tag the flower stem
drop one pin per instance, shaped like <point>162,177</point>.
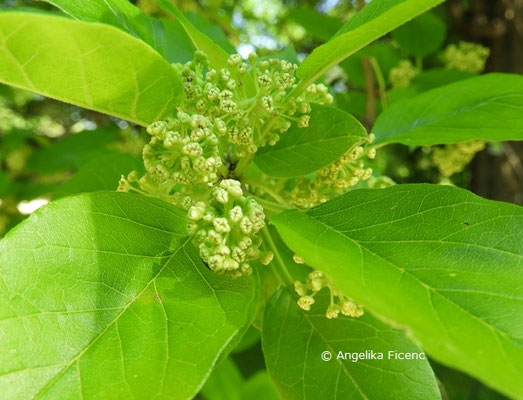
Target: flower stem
<point>269,191</point>
<point>278,264</point>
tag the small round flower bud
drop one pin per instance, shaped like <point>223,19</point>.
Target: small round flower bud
<point>297,259</point>
<point>267,257</point>
<point>221,225</point>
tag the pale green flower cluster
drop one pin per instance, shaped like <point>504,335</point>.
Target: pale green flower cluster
<point>225,228</point>
<point>182,154</point>
<point>226,116</point>
<point>336,178</point>
<point>466,56</point>
<point>247,118</point>
<point>402,75</point>
<point>183,150</point>
<point>339,303</point>
<point>452,158</point>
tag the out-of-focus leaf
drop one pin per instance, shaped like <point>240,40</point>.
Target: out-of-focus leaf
<point>376,19</point>
<point>73,151</point>
<point>386,56</point>
<point>421,36</point>
<point>101,173</point>
<point>225,382</point>
<point>259,387</point>
<point>317,25</point>
<point>211,30</point>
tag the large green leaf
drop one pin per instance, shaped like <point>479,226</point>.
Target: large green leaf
<point>102,297</point>
<point>486,107</point>
<point>91,65</point>
<point>167,37</point>
<point>300,151</point>
<point>376,19</point>
<point>438,260</point>
<point>294,342</point>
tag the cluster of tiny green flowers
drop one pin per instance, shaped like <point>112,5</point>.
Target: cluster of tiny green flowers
<point>452,158</point>
<point>183,149</point>
<point>339,303</point>
<point>402,75</point>
<point>247,121</point>
<point>183,152</point>
<point>225,229</point>
<point>335,178</point>
<point>466,56</point>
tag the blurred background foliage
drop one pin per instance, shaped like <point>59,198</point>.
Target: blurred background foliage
<point>50,149</point>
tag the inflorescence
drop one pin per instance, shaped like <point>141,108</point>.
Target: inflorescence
<point>225,229</point>
<point>339,303</point>
<point>192,158</point>
<point>336,178</point>
<point>466,56</point>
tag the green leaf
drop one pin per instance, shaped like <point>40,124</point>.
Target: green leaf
<point>102,296</point>
<point>259,387</point>
<point>488,107</point>
<point>376,19</point>
<point>437,260</point>
<point>211,30</point>
<point>300,151</point>
<point>386,56</point>
<point>295,340</point>
<point>225,382</point>
<point>94,66</point>
<point>457,385</point>
<point>167,37</point>
<point>217,55</point>
<point>101,173</point>
<point>317,25</point>
<point>288,53</point>
<point>249,339</point>
<point>421,36</point>
<point>435,78</point>
<point>72,152</point>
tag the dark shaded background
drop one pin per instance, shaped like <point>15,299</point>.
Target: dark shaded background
<point>497,24</point>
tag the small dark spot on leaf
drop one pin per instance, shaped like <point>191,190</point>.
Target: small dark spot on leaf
<point>466,223</point>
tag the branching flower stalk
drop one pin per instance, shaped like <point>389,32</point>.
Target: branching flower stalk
<point>339,303</point>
